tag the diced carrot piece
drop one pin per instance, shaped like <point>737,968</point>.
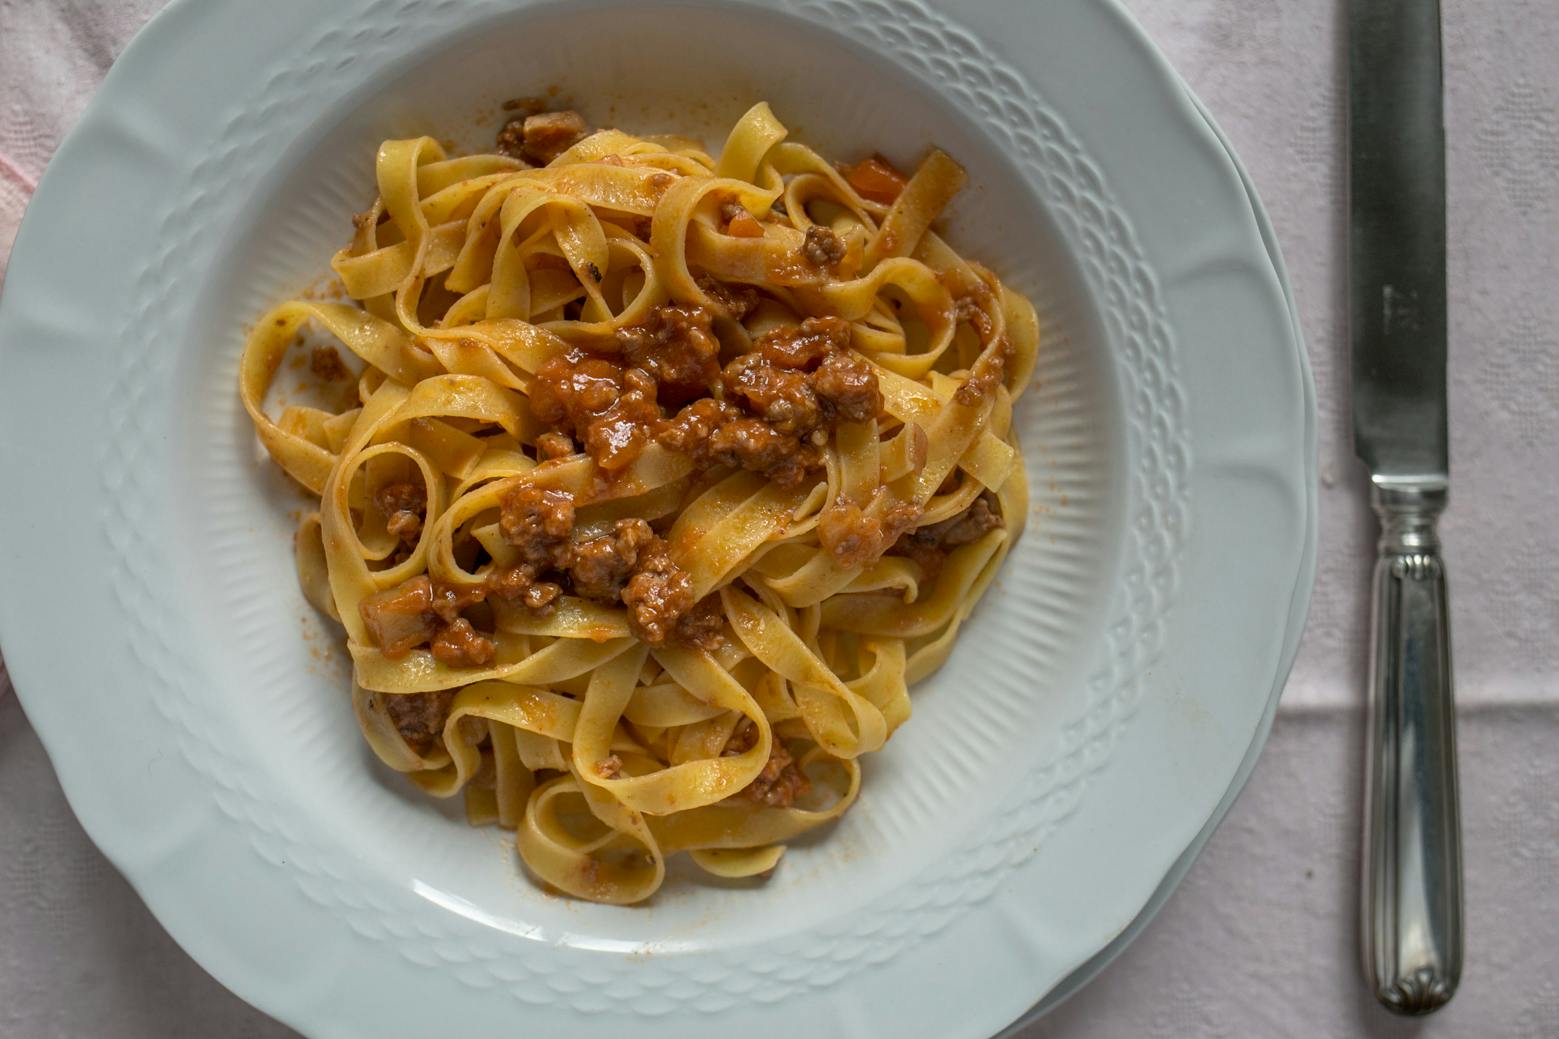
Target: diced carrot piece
<point>874,179</point>
<point>744,225</point>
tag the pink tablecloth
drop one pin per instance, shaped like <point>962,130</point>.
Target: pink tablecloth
<point>1259,941</point>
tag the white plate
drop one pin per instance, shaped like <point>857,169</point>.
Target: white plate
<point>1085,732</point>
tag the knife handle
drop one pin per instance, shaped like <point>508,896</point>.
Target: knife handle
<point>1412,899</point>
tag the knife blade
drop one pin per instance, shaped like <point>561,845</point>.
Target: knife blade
<point>1396,237</point>
<point>1411,921</point>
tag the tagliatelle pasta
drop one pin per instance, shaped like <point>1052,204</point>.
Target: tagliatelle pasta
<point>666,476</point>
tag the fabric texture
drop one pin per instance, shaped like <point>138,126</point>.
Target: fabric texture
<point>1260,940</point>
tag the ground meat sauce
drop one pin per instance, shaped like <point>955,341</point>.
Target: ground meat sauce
<point>617,437</point>
<point>716,432</point>
<point>602,565</point>
<point>854,537</point>
<point>677,347</point>
<point>972,309</point>
<point>631,564</point>
<point>767,411</point>
<point>821,248</point>
<point>405,526</point>
<point>449,600</point>
<point>326,364</point>
<point>778,402</point>
<point>736,300</point>
<point>971,525</point>
<point>402,505</point>
<point>928,556</point>
<point>781,397</point>
<point>519,584</point>
<point>754,445</point>
<point>460,645</point>
<point>742,739</point>
<point>419,717</point>
<point>804,345</point>
<point>982,382</point>
<point>781,783</point>
<point>847,389</point>
<point>703,625</point>
<point>657,595</point>
<point>511,139</point>
<point>690,431</point>
<point>929,545</point>
<point>596,401</point>
<point>551,446</point>
<point>851,537</point>
<point>539,522</point>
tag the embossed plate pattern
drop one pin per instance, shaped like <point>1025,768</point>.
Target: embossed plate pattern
<point>1086,728</point>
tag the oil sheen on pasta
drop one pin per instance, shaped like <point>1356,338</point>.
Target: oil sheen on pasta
<point>663,478</point>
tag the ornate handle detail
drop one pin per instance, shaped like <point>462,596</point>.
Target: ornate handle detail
<point>1412,904</point>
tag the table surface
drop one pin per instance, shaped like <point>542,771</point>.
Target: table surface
<point>1260,939</point>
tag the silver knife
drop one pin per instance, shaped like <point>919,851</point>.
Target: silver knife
<point>1412,897</point>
